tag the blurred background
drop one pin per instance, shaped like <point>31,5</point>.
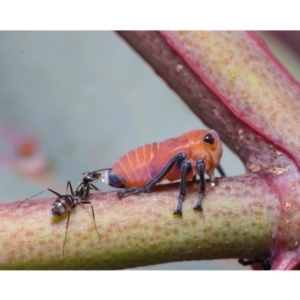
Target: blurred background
<point>72,102</point>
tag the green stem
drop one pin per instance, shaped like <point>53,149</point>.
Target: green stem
<point>142,230</point>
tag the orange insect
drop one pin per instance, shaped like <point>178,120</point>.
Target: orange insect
<point>195,152</point>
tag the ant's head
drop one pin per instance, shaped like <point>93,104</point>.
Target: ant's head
<point>92,176</point>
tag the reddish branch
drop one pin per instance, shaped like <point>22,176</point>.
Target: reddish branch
<point>142,230</point>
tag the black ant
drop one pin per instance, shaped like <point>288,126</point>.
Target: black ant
<point>65,203</point>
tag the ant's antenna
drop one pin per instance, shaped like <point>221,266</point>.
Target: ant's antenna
<point>30,197</point>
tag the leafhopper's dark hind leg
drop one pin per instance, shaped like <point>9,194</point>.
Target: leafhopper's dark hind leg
<point>186,166</point>
<point>178,158</point>
<point>200,165</point>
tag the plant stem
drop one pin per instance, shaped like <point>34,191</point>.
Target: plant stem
<point>142,230</point>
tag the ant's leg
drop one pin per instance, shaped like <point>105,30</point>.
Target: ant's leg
<point>69,214</point>
<point>93,213</point>
<point>147,188</point>
<point>95,188</point>
<point>69,185</point>
<point>185,168</point>
<point>200,165</point>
